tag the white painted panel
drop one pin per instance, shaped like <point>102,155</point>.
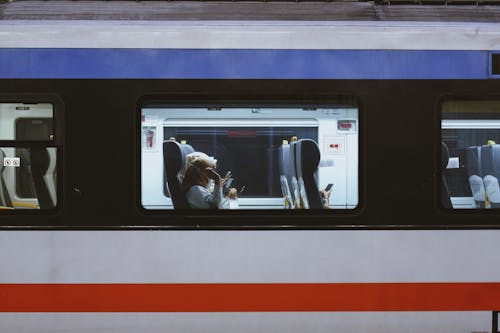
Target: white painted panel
<point>312,322</point>
<point>248,256</point>
<point>251,35</point>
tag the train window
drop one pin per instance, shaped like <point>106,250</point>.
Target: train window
<point>263,157</point>
<point>29,122</point>
<point>470,153</point>
<point>28,156</point>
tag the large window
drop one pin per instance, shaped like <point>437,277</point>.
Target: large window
<point>264,157</point>
<point>234,147</point>
<point>470,134</point>
<point>28,156</point>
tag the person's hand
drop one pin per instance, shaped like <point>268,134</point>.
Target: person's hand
<point>212,174</point>
<point>325,197</point>
<point>232,193</point>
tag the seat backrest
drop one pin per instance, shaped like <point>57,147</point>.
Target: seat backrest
<point>490,166</point>
<point>445,194</point>
<point>286,167</point>
<point>298,202</point>
<point>49,174</point>
<point>474,172</point>
<point>490,160</point>
<point>42,164</point>
<point>473,165</point>
<point>174,162</point>
<point>4,192</point>
<point>307,157</point>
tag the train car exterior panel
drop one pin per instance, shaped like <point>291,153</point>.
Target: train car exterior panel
<point>152,259</point>
<point>244,64</point>
<point>269,256</point>
<point>350,322</point>
<point>245,34</point>
<point>450,276</point>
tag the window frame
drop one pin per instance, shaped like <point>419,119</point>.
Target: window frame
<point>247,218</point>
<point>456,212</point>
<point>57,143</point>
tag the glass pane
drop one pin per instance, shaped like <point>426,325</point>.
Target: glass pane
<point>277,158</point>
<point>470,131</point>
<point>28,178</point>
<point>235,146</point>
<point>20,121</point>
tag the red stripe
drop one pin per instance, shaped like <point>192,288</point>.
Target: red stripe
<point>249,297</point>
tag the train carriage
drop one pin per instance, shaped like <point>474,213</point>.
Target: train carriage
<point>392,109</point>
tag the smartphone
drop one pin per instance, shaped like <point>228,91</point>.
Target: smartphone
<point>328,187</point>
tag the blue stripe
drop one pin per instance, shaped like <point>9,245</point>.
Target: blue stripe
<point>242,64</point>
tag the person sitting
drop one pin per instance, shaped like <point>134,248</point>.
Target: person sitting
<point>202,184</point>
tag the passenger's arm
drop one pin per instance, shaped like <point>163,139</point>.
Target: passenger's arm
<point>200,197</point>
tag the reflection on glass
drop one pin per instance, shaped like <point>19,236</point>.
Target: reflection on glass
<point>33,122</point>
<point>249,152</point>
<point>470,133</point>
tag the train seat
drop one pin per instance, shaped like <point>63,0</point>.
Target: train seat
<point>4,192</point>
<point>445,193</point>
<point>42,164</point>
<point>297,203</point>
<point>307,157</point>
<point>286,167</point>
<point>174,161</point>
<point>490,165</point>
<point>475,174</point>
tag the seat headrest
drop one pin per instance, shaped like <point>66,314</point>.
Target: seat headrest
<point>473,161</point>
<point>40,159</point>
<point>307,156</point>
<point>490,160</point>
<point>175,156</point>
<point>286,164</point>
<point>174,161</point>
